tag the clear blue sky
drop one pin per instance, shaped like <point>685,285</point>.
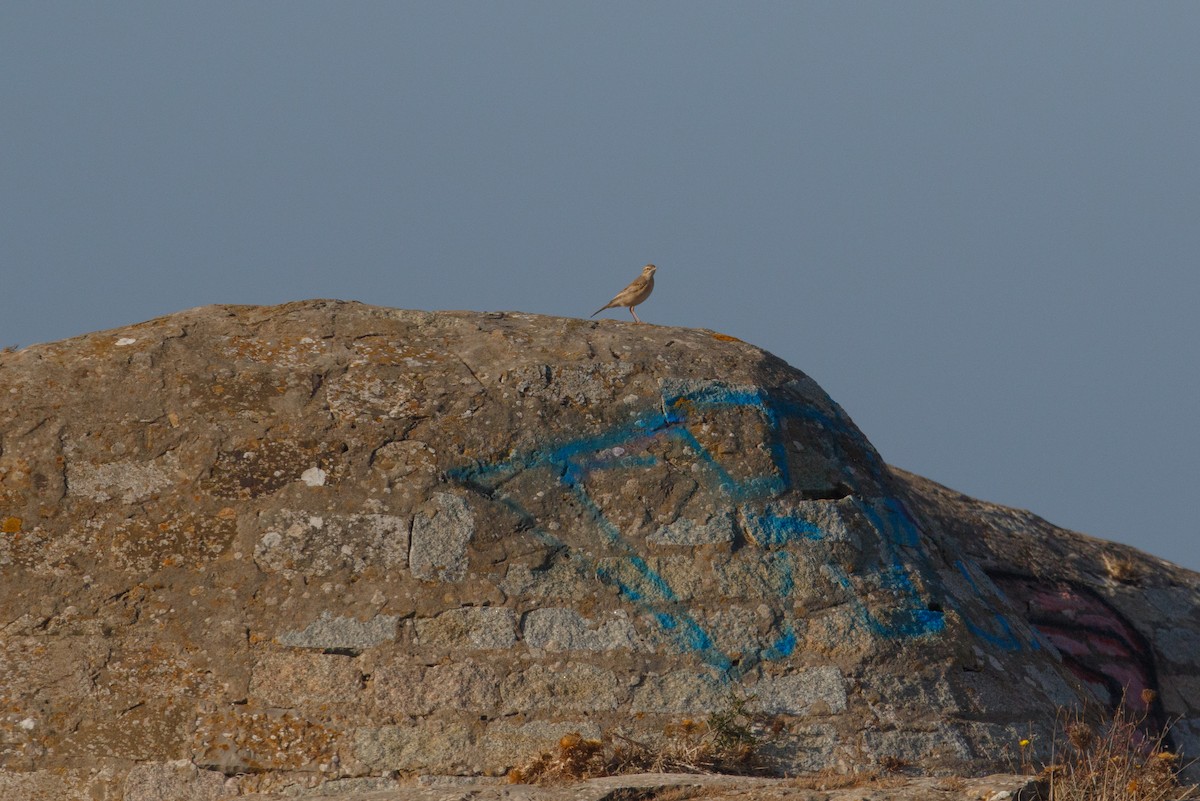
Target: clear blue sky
<point>977,225</point>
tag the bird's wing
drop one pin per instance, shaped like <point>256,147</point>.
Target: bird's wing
<point>634,288</point>
<point>631,291</point>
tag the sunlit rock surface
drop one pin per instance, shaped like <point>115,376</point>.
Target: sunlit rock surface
<point>251,548</point>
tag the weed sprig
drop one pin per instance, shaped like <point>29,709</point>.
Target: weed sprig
<point>1113,761</point>
<point>726,742</point>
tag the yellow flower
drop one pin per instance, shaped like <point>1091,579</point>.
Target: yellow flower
<point>1024,743</point>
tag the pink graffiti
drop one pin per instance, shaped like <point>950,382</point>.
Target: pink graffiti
<point>1097,643</point>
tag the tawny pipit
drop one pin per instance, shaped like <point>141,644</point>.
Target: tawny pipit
<point>635,293</point>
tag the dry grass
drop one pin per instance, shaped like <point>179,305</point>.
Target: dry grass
<point>726,742</point>
<point>828,779</point>
<point>1113,761</point>
<point>953,784</point>
<point>1121,568</point>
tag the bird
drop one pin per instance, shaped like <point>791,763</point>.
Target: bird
<point>638,290</point>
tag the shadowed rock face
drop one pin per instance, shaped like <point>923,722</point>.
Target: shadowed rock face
<point>329,540</point>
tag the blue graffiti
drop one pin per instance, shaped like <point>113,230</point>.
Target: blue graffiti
<point>783,647</point>
<point>1006,639</point>
<point>773,529</point>
<point>570,463</point>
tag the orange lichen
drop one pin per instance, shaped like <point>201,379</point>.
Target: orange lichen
<point>188,539</point>
<point>11,525</point>
<point>265,739</point>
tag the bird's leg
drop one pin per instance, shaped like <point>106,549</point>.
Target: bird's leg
<point>635,317</point>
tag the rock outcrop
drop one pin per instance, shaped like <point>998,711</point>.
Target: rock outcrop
<point>245,548</point>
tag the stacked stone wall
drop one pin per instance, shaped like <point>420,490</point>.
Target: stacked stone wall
<point>247,548</point>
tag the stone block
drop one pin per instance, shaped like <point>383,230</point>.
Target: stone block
<point>60,785</point>
<point>738,629</point>
<point>692,692</point>
<point>805,749</point>
<point>1186,736</point>
<point>440,534</point>
<point>717,528</point>
<point>466,685</point>
<point>342,633</point>
<point>997,746</point>
<point>563,629</point>
<point>262,467</point>
<point>662,577</point>
<point>573,687</point>
<point>286,680</point>
<point>781,522</point>
<point>178,781</point>
<point>395,690</point>
<point>506,745</point>
<point>1180,693</point>
<point>128,481</point>
<point>154,730</point>
<point>246,738</point>
<point>983,690</point>
<point>562,580</point>
<point>687,577</point>
<point>426,746</point>
<point>476,627</point>
<point>1049,684</point>
<point>63,665</point>
<point>183,540</point>
<point>757,575</point>
<point>916,691</point>
<point>813,691</point>
<point>316,545</point>
<point>1179,645</point>
<point>944,747</point>
<point>411,690</point>
<point>1170,602</point>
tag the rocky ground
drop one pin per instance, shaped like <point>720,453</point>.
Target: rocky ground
<point>680,787</point>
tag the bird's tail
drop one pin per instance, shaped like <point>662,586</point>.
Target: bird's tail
<point>602,308</point>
